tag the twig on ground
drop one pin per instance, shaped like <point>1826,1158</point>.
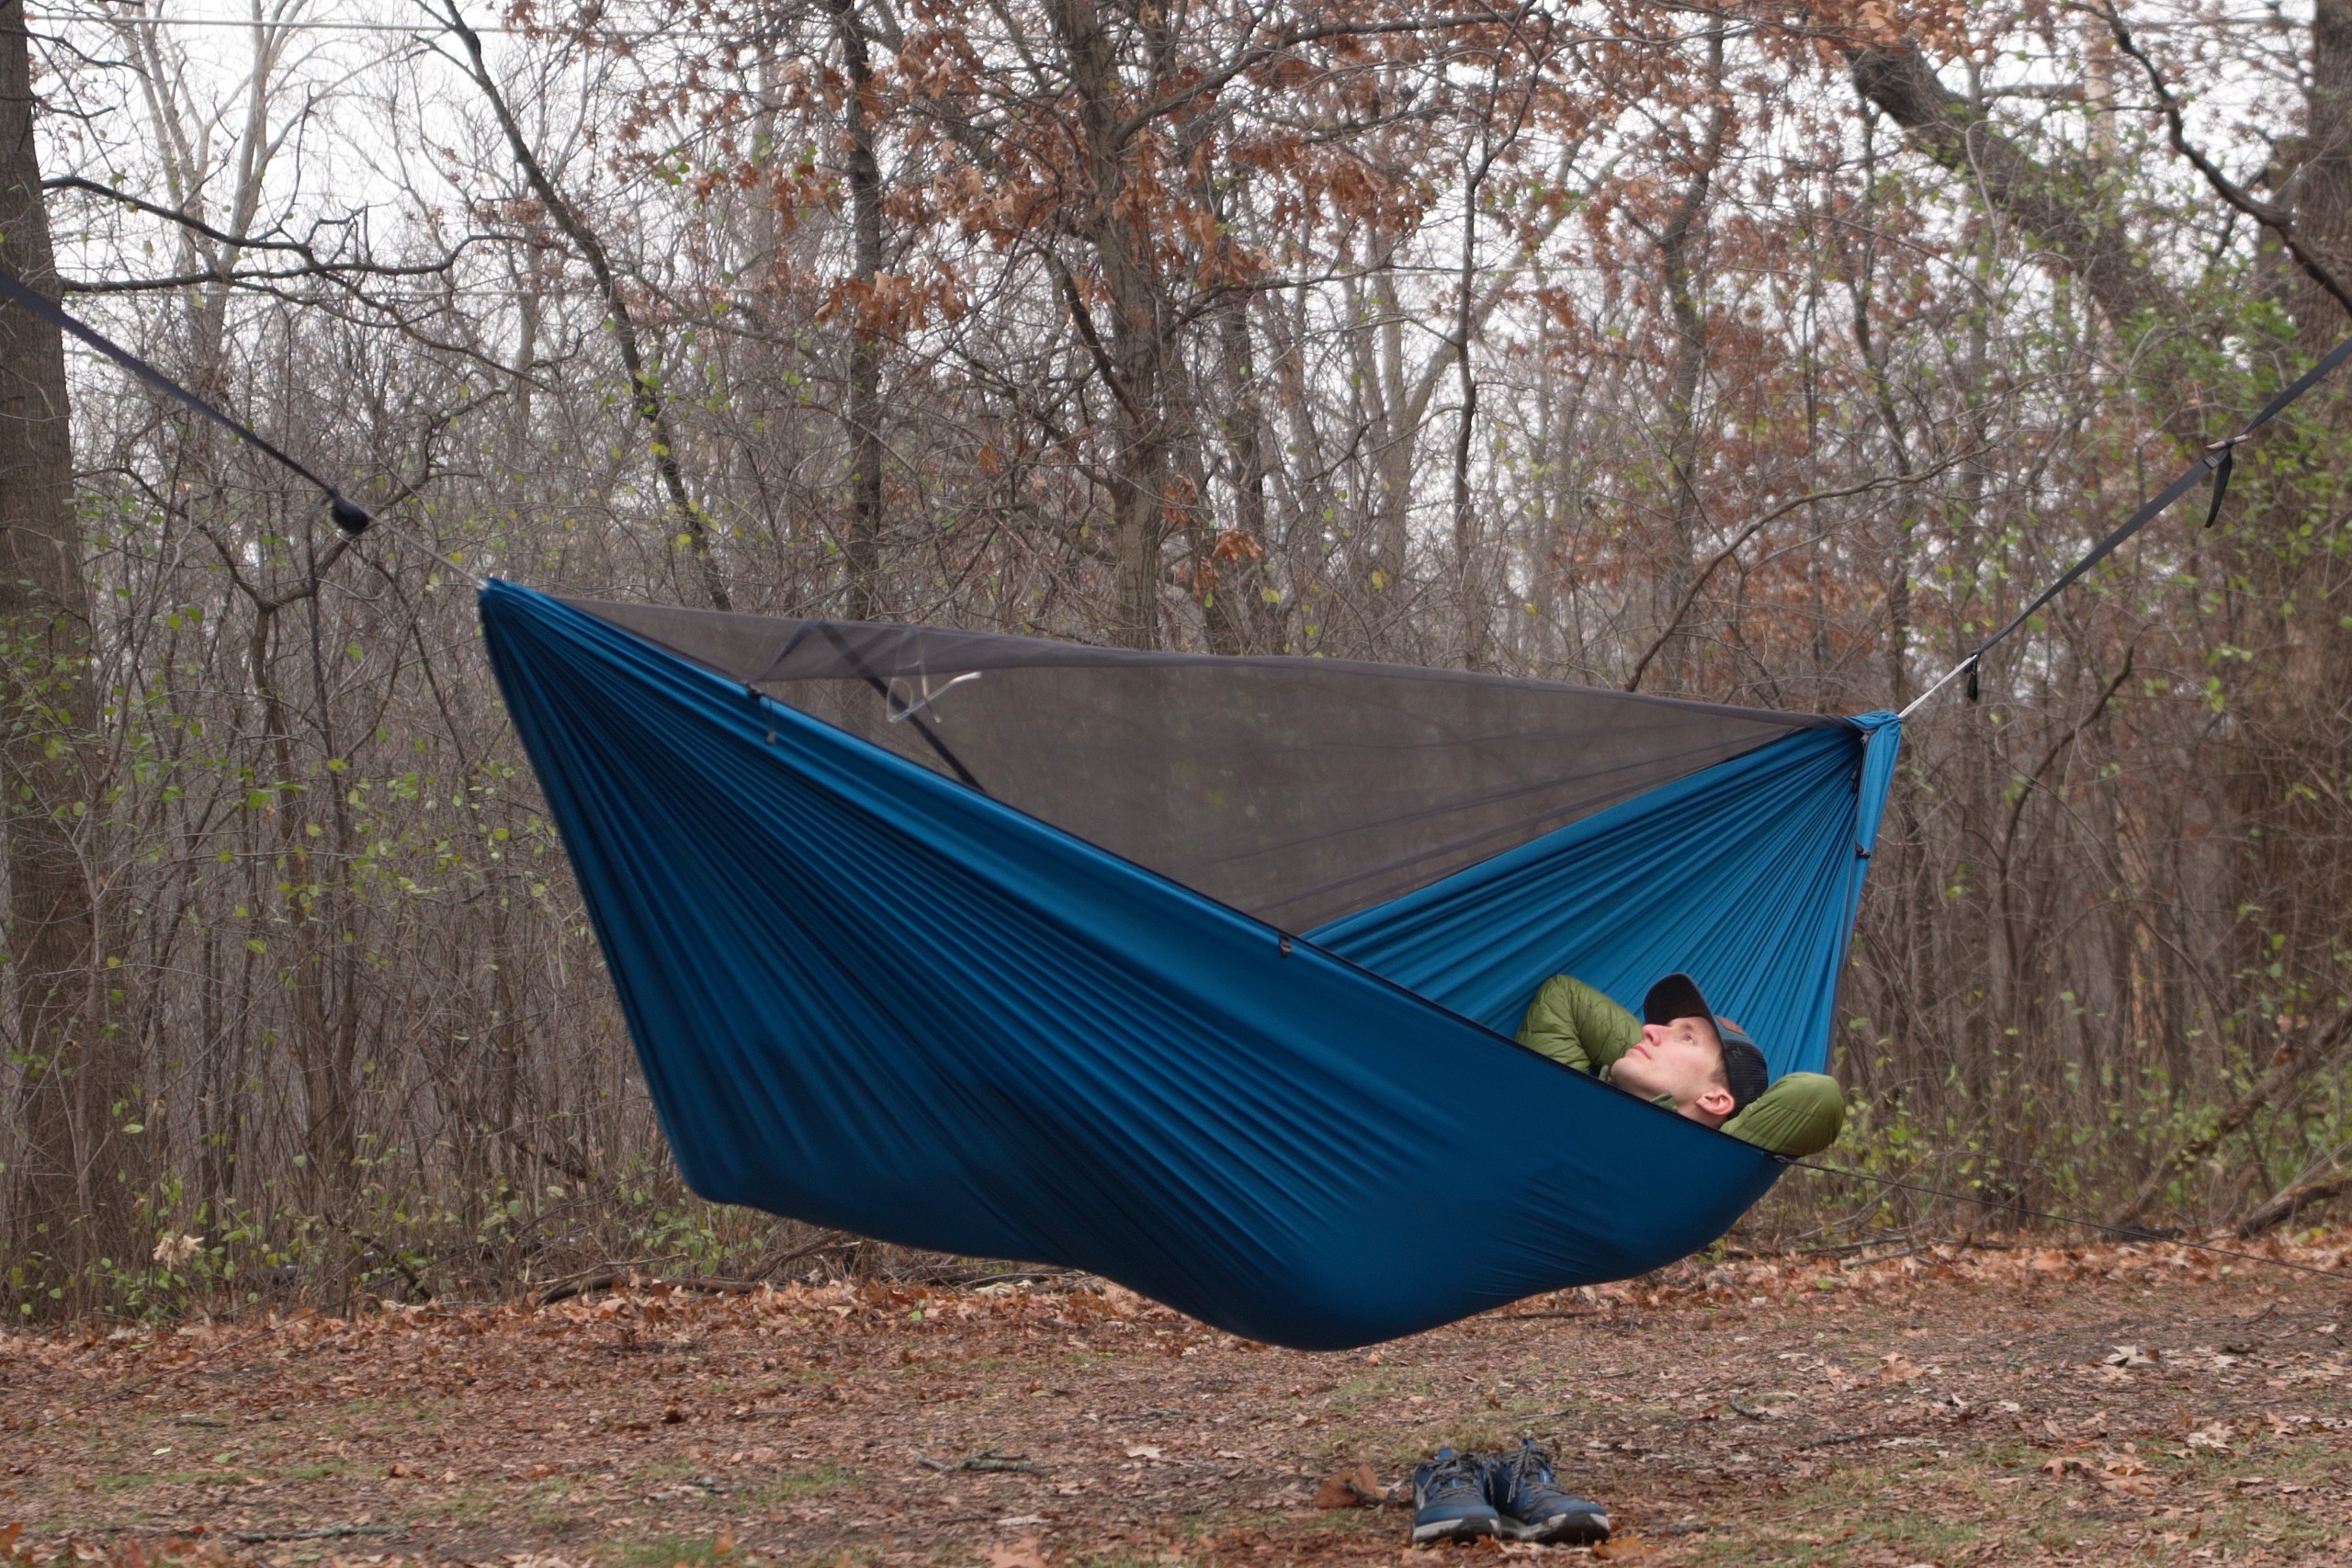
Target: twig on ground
<point>580,1285</point>
<point>1835,1440</point>
<point>610,1274</point>
<point>1019,1277</point>
<point>830,1241</point>
<point>986,1460</point>
<point>331,1532</point>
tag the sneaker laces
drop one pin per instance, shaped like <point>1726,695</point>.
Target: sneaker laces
<point>1460,1472</point>
<point>1528,1463</point>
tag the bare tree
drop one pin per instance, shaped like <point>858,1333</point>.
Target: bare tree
<point>1641,356</point>
<point>80,1085</point>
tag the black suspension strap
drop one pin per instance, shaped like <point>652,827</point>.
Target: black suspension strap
<point>353,519</point>
<point>2218,461</point>
<point>348,514</point>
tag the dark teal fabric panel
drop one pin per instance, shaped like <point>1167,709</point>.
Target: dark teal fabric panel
<point>1745,877</point>
<point>867,996</point>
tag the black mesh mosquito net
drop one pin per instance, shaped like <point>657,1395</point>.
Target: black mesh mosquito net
<point>1299,790</point>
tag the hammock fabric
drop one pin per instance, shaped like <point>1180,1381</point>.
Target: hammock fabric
<point>978,944</point>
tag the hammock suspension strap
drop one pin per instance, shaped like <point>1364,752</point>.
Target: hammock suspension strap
<point>2219,460</point>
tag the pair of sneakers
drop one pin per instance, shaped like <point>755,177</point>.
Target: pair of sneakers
<point>1514,1495</point>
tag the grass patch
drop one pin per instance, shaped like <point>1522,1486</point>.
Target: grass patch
<point>547,1506</point>
<point>472,1505</point>
<point>661,1550</point>
<point>1354,1392</point>
<point>791,1485</point>
<point>794,1377</point>
<point>670,1551</point>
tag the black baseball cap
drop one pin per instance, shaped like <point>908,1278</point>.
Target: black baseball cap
<point>1678,995</point>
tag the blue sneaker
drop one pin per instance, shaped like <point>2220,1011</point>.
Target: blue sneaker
<point>1450,1500</point>
<point>1535,1506</point>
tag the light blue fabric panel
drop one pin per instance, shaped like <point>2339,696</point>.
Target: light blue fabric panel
<point>867,996</point>
<point>1745,877</point>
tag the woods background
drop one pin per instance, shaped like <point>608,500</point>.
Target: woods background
<point>1770,354</point>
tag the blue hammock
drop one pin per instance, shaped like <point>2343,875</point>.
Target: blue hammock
<point>868,995</point>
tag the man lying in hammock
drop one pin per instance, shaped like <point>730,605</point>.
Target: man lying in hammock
<point>1681,1055</point>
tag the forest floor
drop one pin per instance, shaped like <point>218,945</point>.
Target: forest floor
<point>2019,1405</point>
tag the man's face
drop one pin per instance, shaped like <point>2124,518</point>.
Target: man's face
<point>1684,1059</point>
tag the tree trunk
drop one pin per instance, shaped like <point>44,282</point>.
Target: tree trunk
<point>1677,245</point>
<point>80,1084</point>
<point>1239,622</point>
<point>1467,583</point>
<point>1134,360</point>
<point>2061,207</point>
<point>862,543</point>
<point>2293,747</point>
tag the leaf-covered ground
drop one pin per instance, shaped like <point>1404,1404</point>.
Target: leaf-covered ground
<point>2018,1405</point>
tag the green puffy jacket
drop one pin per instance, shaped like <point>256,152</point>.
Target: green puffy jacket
<point>1569,1021</point>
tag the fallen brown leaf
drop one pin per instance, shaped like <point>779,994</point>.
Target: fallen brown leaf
<point>2216,1436</point>
<point>777,1390</point>
<point>1357,1488</point>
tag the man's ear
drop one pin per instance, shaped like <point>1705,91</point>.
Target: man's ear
<point>1715,1101</point>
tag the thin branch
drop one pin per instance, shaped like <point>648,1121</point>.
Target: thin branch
<point>2278,220</point>
<point>2057,748</point>
<point>2297,1066</point>
<point>303,248</point>
<point>1755,526</point>
<point>644,392</point>
<point>1266,53</point>
<point>1084,320</point>
<point>234,279</point>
